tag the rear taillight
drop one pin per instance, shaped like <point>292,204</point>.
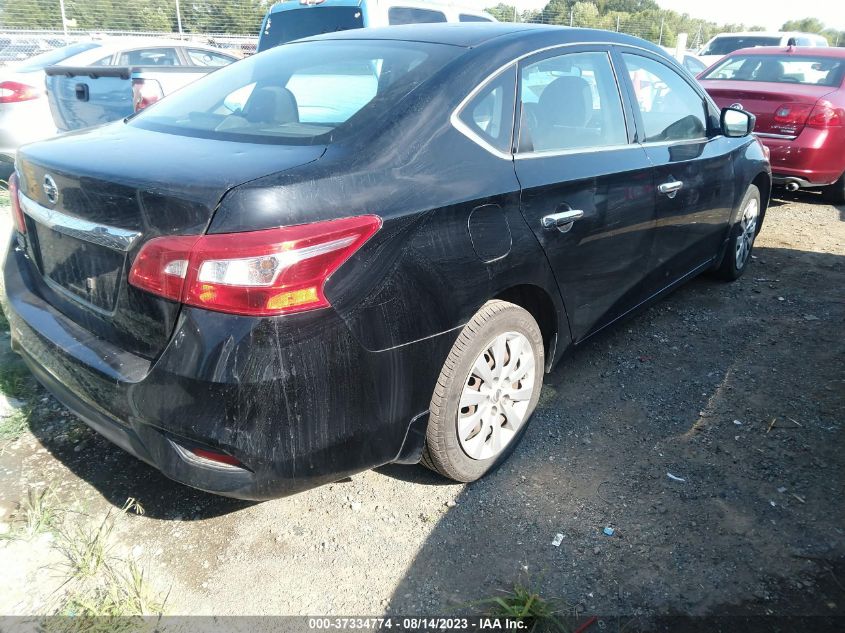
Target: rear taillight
<point>145,92</point>
<point>824,115</point>
<point>17,212</point>
<point>14,91</point>
<point>257,273</point>
<point>791,117</point>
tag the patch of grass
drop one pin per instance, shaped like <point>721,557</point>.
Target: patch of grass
<point>4,322</point>
<point>104,592</point>
<point>16,382</point>
<point>526,604</point>
<point>4,194</point>
<point>38,513</point>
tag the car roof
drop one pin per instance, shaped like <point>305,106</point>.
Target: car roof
<point>472,34</point>
<point>815,51</point>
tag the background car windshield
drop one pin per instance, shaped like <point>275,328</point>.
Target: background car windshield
<point>286,26</point>
<point>729,44</point>
<point>816,71</point>
<point>55,56</point>
<point>300,93</point>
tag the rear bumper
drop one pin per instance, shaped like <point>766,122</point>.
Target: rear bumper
<point>297,400</point>
<point>815,158</point>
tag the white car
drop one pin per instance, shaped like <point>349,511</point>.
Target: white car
<point>725,43</point>
<point>25,114</point>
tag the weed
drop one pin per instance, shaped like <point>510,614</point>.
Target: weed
<point>104,592</point>
<point>526,604</point>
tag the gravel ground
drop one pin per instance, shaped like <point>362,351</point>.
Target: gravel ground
<point>737,389</point>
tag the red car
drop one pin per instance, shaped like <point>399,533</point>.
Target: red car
<point>798,97</point>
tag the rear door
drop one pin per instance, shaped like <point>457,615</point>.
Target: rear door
<point>586,186</point>
<point>693,166</point>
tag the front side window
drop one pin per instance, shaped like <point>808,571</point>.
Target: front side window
<point>409,15</point>
<point>150,57</point>
<point>489,115</point>
<point>670,108</point>
<point>468,17</point>
<point>301,93</point>
<point>785,68</point>
<point>569,102</point>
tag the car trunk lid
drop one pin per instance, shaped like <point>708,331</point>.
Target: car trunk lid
<point>780,108</point>
<point>92,202</point>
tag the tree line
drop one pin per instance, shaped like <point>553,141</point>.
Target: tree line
<point>644,18</point>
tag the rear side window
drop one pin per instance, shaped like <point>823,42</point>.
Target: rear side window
<point>570,102</point>
<point>409,15</point>
<point>730,43</point>
<point>150,57</point>
<point>465,17</point>
<point>787,69</point>
<point>285,26</point>
<point>489,115</point>
<point>670,108</point>
<point>202,57</point>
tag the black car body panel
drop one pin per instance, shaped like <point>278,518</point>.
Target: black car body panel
<point>308,398</point>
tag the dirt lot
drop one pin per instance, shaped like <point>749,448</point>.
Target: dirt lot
<point>738,389</point>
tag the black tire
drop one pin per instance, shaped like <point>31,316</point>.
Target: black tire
<point>835,193</point>
<point>730,269</point>
<point>443,451</point>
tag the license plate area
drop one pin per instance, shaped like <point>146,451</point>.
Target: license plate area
<point>87,271</point>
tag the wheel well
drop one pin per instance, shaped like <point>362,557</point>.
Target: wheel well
<point>536,301</point>
<point>764,184</point>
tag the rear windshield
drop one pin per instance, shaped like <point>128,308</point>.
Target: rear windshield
<point>730,43</point>
<point>55,56</point>
<point>286,26</point>
<point>301,93</point>
<point>782,69</point>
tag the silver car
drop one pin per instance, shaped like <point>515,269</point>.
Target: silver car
<point>25,114</point>
<point>24,111</point>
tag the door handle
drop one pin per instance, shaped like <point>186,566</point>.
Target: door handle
<point>562,221</point>
<point>670,188</point>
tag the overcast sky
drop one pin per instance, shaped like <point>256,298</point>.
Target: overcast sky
<point>768,13</point>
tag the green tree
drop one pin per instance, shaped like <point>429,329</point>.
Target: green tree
<point>503,12</point>
<point>30,14</point>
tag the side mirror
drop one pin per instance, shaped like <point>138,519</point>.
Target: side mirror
<point>737,123</point>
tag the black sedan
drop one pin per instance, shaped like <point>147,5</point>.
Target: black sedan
<point>368,247</point>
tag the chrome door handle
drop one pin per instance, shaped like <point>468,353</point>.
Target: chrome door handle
<point>562,221</point>
<point>670,188</point>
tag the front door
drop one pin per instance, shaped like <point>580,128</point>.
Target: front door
<point>693,168</point>
<point>587,190</point>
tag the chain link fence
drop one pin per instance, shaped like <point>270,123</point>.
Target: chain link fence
<point>29,27</point>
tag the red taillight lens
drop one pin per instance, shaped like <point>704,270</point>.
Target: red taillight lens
<point>824,115</point>
<point>145,92</point>
<point>13,92</point>
<point>257,273</point>
<point>791,117</point>
<point>17,212</point>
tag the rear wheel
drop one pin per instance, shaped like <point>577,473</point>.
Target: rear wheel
<point>486,392</point>
<point>744,233</point>
<point>835,193</point>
